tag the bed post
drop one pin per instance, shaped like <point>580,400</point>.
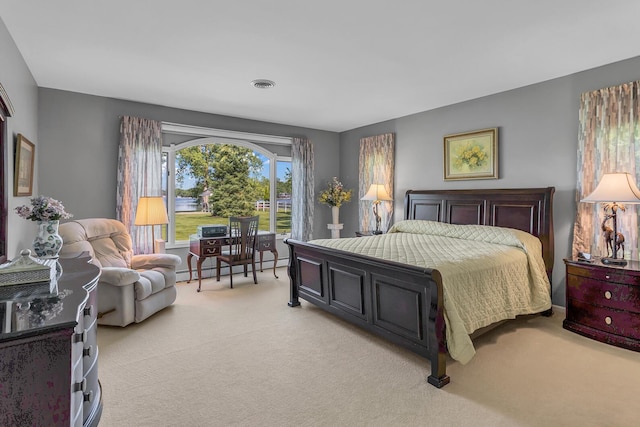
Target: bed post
<point>293,296</point>
<point>436,331</point>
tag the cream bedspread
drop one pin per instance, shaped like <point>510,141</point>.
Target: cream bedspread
<point>488,273</point>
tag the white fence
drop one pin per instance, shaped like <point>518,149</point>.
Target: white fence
<point>281,205</point>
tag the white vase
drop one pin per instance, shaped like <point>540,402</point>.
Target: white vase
<point>335,215</point>
<point>47,242</point>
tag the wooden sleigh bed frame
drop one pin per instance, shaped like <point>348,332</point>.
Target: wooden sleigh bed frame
<point>404,303</point>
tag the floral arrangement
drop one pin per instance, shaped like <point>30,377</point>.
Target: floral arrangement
<point>472,155</point>
<point>43,209</point>
<point>335,194</point>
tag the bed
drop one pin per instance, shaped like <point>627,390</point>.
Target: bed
<point>404,303</point>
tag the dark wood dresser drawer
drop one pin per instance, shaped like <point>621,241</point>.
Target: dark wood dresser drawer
<point>599,272</point>
<point>609,320</point>
<point>607,294</point>
<point>266,242</point>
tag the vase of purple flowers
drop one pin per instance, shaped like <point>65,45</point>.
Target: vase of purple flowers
<point>47,212</point>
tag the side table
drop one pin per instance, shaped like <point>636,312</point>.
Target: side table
<point>366,233</point>
<point>603,302</point>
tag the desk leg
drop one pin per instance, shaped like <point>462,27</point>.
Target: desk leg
<point>275,261</point>
<point>189,264</point>
<point>199,267</point>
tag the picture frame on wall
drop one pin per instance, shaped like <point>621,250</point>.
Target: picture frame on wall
<point>471,155</point>
<point>23,167</point>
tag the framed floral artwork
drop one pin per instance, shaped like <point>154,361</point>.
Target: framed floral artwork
<point>23,175</point>
<point>471,155</point>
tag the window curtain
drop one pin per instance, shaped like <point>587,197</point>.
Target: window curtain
<point>376,166</point>
<point>608,141</point>
<point>302,191</point>
<point>139,174</point>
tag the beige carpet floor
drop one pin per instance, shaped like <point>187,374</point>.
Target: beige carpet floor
<point>242,357</point>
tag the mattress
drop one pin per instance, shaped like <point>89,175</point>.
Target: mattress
<point>488,273</point>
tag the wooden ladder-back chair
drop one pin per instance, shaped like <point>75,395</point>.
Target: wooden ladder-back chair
<point>242,246</point>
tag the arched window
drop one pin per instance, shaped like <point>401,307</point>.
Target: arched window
<point>211,174</point>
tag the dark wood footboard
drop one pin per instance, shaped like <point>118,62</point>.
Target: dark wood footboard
<point>398,302</point>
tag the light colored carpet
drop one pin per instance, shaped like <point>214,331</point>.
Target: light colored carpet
<point>242,357</point>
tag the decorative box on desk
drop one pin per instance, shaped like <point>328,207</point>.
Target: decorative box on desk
<point>603,302</point>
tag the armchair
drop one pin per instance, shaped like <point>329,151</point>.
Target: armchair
<point>131,287</point>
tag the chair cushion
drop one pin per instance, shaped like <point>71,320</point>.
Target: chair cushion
<point>151,282</point>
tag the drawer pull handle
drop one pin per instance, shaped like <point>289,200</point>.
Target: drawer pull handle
<point>81,337</point>
<point>607,277</point>
<point>87,352</point>
<point>607,295</point>
<point>81,386</point>
<point>608,320</point>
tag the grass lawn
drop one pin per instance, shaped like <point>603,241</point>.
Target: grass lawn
<point>187,222</point>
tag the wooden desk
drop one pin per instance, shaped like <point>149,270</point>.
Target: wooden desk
<point>205,247</point>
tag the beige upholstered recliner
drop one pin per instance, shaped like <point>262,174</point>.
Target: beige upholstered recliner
<point>131,287</point>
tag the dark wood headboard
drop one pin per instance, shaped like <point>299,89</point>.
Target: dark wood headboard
<point>528,209</point>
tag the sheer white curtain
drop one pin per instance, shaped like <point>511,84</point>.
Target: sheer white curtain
<point>608,141</point>
<point>139,174</point>
<point>302,191</point>
<point>377,166</point>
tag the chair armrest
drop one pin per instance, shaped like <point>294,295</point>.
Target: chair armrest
<point>149,261</point>
<point>118,276</point>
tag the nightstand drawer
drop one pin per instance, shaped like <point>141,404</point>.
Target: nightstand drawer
<point>596,272</point>
<point>605,319</point>
<point>607,294</point>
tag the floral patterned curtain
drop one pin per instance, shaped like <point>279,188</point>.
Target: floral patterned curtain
<point>139,174</point>
<point>377,164</point>
<point>302,191</point>
<point>608,141</point>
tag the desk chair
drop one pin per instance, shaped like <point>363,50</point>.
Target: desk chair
<point>242,247</point>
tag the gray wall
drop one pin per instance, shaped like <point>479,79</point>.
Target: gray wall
<point>538,131</point>
<point>23,93</point>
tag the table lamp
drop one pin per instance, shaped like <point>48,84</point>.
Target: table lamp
<point>377,193</point>
<point>613,190</point>
<point>151,211</point>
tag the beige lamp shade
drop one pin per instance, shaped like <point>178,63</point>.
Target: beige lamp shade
<point>615,187</point>
<point>151,211</point>
<point>377,192</point>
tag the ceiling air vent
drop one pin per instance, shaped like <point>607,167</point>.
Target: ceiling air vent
<point>263,84</point>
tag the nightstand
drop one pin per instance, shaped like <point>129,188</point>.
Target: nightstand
<point>603,302</point>
<point>365,233</point>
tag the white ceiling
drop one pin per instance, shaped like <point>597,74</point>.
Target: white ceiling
<point>337,64</point>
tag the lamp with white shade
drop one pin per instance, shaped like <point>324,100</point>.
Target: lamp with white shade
<point>151,211</point>
<point>615,190</point>
<point>377,193</point>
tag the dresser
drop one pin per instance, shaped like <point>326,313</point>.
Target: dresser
<point>49,353</point>
<point>603,302</point>
<point>205,247</point>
